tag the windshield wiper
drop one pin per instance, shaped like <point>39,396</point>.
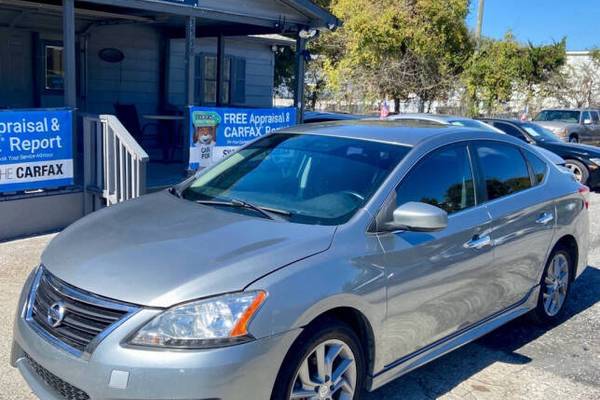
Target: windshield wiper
<point>174,191</point>
<point>266,212</point>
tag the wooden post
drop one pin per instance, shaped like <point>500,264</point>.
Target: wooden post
<point>220,68</point>
<point>190,59</point>
<point>479,21</point>
<point>70,80</point>
<point>190,80</point>
<point>299,78</point>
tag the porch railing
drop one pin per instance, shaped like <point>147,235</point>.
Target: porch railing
<point>114,163</point>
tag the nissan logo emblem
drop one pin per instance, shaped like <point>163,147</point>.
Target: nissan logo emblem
<point>56,314</point>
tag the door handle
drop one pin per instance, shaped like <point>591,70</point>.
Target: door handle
<point>479,242</point>
<point>545,218</point>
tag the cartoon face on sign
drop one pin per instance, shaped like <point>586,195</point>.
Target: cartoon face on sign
<point>205,127</point>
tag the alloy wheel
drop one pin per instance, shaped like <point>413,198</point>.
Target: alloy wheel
<point>575,170</point>
<point>327,373</point>
<point>556,284</point>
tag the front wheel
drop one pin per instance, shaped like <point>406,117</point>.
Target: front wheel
<point>579,170</point>
<point>574,139</point>
<point>554,288</point>
<point>326,363</point>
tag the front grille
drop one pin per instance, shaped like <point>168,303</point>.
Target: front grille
<point>65,389</point>
<point>85,316</point>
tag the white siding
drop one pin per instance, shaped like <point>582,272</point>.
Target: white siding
<point>259,68</point>
<point>136,80</point>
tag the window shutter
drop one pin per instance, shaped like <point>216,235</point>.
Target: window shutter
<point>199,78</point>
<point>238,81</point>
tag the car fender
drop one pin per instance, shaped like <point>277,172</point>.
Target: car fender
<point>300,293</point>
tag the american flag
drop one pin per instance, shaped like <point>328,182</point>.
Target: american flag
<point>525,113</point>
<point>384,110</point>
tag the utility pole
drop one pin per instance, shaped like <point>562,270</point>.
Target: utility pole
<point>479,21</point>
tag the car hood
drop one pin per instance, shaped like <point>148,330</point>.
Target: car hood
<point>553,124</point>
<point>160,250</point>
<point>573,148</point>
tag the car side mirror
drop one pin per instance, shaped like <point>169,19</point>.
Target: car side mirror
<point>587,121</point>
<point>418,217</point>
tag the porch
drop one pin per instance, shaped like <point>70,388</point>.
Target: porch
<point>145,62</point>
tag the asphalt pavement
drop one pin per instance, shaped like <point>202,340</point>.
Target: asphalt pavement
<point>517,361</point>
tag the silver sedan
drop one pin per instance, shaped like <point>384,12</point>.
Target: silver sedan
<point>314,263</point>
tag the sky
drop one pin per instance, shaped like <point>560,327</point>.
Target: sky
<point>542,21</point>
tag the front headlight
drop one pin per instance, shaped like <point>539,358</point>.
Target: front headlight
<point>595,161</point>
<point>217,321</point>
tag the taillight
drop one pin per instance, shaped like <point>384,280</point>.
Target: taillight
<point>584,191</point>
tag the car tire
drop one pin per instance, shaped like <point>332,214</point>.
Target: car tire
<point>555,287</point>
<point>579,170</point>
<point>299,371</point>
<point>573,139</point>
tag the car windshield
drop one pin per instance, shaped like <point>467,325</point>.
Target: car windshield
<point>569,116</point>
<point>540,134</point>
<point>471,123</point>
<point>311,179</point>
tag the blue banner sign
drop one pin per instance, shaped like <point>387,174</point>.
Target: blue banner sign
<point>36,150</point>
<point>217,132</point>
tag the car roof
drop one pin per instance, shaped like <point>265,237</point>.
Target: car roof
<point>440,118</point>
<point>331,116</point>
<point>508,120</point>
<point>408,133</point>
<point>568,109</point>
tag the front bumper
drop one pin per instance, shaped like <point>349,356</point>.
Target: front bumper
<point>594,179</point>
<point>113,371</point>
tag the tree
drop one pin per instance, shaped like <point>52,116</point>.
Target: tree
<point>397,49</point>
<point>541,67</point>
<point>491,73</point>
<point>502,68</point>
<point>579,83</point>
<point>284,71</point>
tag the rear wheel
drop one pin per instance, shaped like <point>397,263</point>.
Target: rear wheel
<point>554,288</point>
<point>326,363</point>
<point>579,170</point>
<point>573,139</point>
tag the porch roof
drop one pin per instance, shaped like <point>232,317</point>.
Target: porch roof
<point>227,17</point>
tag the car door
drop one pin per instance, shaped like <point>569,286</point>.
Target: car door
<point>511,130</point>
<point>438,282</point>
<point>595,127</point>
<point>586,128</point>
<point>523,217</point>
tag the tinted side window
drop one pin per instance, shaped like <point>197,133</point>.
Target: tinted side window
<point>538,166</point>
<point>503,168</point>
<point>510,130</point>
<point>585,116</point>
<point>595,118</point>
<point>443,179</point>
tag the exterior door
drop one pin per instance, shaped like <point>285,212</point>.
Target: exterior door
<point>523,220</point>
<point>438,282</point>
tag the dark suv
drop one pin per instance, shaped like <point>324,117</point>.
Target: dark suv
<point>582,160</point>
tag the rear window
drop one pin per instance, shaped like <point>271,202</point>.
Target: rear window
<point>538,166</point>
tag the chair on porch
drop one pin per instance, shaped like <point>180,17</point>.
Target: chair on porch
<point>129,117</point>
